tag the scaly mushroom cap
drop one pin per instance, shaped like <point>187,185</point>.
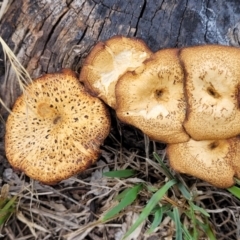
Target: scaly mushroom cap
<point>210,160</point>
<point>108,61</point>
<point>55,129</point>
<point>236,160</point>
<point>212,91</point>
<point>151,98</point>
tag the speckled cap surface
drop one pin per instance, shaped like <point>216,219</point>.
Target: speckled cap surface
<point>151,98</point>
<point>56,128</point>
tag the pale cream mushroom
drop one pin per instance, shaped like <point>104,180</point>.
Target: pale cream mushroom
<point>212,91</point>
<point>108,61</point>
<point>151,98</point>
<point>55,129</point>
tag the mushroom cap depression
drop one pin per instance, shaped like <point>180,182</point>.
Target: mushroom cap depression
<point>214,161</point>
<point>108,61</point>
<point>55,128</point>
<point>151,98</point>
<point>212,91</point>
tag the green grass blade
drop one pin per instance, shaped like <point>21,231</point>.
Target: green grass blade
<point>186,233</point>
<point>166,170</point>
<point>150,205</point>
<point>158,216</point>
<point>3,203</point>
<point>151,188</point>
<point>120,173</point>
<point>191,215</point>
<point>237,181</point>
<point>122,195</point>
<point>4,215</point>
<point>7,209</point>
<point>129,198</point>
<point>198,209</point>
<point>234,191</point>
<point>178,226</point>
<point>184,191</point>
<point>10,203</point>
<point>207,229</point>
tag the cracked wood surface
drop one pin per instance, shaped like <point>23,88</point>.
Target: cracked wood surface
<point>49,35</point>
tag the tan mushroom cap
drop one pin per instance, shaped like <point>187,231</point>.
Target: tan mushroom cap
<point>212,91</point>
<point>56,128</point>
<point>108,61</point>
<point>236,160</point>
<point>151,98</point>
<point>214,161</point>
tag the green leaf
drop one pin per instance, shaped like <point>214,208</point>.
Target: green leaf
<point>199,209</point>
<point>235,191</point>
<point>150,205</point>
<point>177,222</point>
<point>120,173</point>
<point>129,198</point>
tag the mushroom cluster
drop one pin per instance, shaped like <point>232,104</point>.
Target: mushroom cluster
<point>188,98</point>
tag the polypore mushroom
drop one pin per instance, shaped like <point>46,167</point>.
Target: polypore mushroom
<point>108,61</point>
<point>55,128</point>
<point>214,161</point>
<point>151,98</point>
<point>212,91</point>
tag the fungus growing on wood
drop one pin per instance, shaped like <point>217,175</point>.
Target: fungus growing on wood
<point>108,61</point>
<point>214,161</point>
<point>55,128</point>
<point>212,90</point>
<point>151,98</point>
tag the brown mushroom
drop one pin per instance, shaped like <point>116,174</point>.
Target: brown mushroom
<point>214,161</point>
<point>151,98</point>
<point>108,61</point>
<point>55,129</point>
<point>236,159</point>
<point>212,91</point>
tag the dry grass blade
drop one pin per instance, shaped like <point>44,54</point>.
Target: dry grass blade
<point>22,75</point>
<point>4,6</point>
<point>30,224</point>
